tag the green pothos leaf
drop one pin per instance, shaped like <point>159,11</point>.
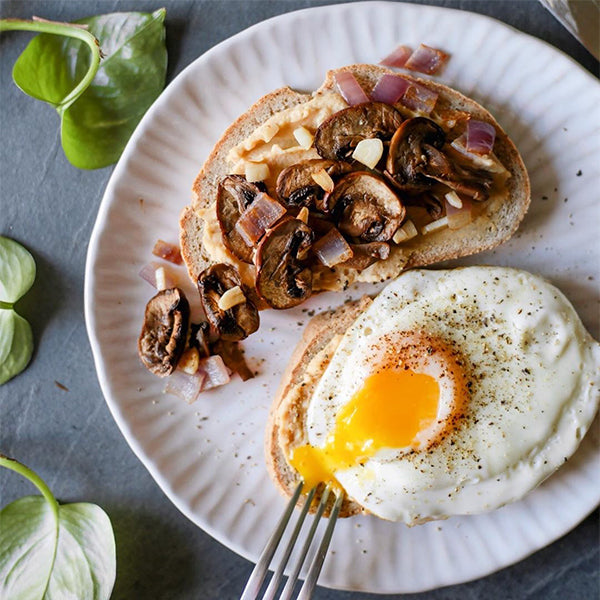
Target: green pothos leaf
<point>17,273</point>
<point>50,551</point>
<point>16,344</point>
<point>97,124</point>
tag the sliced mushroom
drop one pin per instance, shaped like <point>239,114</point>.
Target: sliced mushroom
<point>440,168</point>
<point>235,323</point>
<point>296,186</point>
<point>234,195</point>
<point>337,137</point>
<point>365,207</point>
<point>416,160</point>
<point>408,160</point>
<point>367,254</point>
<point>164,332</point>
<point>283,279</point>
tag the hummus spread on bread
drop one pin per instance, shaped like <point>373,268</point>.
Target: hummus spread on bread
<point>305,193</point>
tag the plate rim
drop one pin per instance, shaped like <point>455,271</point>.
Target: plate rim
<point>109,199</point>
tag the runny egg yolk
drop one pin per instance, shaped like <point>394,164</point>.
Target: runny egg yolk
<point>389,411</point>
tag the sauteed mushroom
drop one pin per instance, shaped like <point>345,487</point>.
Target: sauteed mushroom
<point>234,195</point>
<point>283,279</point>
<point>235,323</point>
<point>365,207</point>
<point>461,180</point>
<point>296,187</point>
<point>164,332</point>
<point>416,160</point>
<point>408,157</point>
<point>337,137</point>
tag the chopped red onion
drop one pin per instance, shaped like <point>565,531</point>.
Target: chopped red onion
<point>350,88</point>
<point>397,58</point>
<point>332,248</point>
<point>426,60</point>
<point>419,98</point>
<point>390,88</point>
<point>480,137</point>
<point>148,273</point>
<point>184,385</point>
<point>258,217</point>
<point>215,371</point>
<point>459,217</point>
<point>167,251</point>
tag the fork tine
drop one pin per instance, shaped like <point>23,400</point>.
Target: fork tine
<point>274,583</point>
<point>288,590</point>
<point>317,564</point>
<point>260,570</point>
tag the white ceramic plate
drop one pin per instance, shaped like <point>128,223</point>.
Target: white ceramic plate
<point>208,457</point>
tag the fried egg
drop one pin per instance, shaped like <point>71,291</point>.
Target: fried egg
<point>454,392</point>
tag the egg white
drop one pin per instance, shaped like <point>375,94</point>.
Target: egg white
<point>533,375</point>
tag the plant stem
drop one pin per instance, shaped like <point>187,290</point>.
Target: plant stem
<point>68,30</point>
<point>21,469</point>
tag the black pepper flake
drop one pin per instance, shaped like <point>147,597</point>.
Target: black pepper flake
<point>579,173</point>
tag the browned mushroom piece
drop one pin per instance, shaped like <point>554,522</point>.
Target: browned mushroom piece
<point>237,322</point>
<point>416,161</point>
<point>283,278</point>
<point>234,195</point>
<point>164,332</point>
<point>367,254</point>
<point>408,159</point>
<point>296,186</point>
<point>474,184</point>
<point>365,207</point>
<point>337,136</point>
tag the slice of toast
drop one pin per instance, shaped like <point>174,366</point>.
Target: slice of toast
<point>498,222</point>
<point>285,426</point>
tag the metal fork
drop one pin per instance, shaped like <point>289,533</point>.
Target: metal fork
<point>257,577</point>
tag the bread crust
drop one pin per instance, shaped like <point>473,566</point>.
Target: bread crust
<point>321,337</point>
<point>478,236</point>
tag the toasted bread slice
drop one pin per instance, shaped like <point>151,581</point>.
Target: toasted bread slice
<point>285,426</point>
<point>496,224</point>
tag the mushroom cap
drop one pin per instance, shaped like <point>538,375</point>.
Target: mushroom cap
<point>297,188</point>
<point>408,159</point>
<point>164,333</point>
<point>283,279</point>
<point>337,136</point>
<point>234,195</point>
<point>237,322</point>
<point>365,207</point>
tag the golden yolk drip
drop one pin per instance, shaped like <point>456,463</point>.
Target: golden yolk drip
<point>388,412</point>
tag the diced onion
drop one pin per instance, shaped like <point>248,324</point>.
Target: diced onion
<point>167,251</point>
<point>426,60</point>
<point>256,171</point>
<point>350,88</point>
<point>406,232</point>
<point>435,226</point>
<point>458,217</point>
<point>368,152</point>
<point>332,249</point>
<point>166,280</point>
<point>397,58</point>
<point>184,385</point>
<point>390,88</point>
<point>480,137</point>
<point>258,217</point>
<point>419,98</point>
<point>216,373</point>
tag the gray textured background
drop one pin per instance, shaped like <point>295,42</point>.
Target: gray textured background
<point>69,437</point>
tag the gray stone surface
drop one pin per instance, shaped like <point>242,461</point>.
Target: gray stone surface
<point>68,436</point>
